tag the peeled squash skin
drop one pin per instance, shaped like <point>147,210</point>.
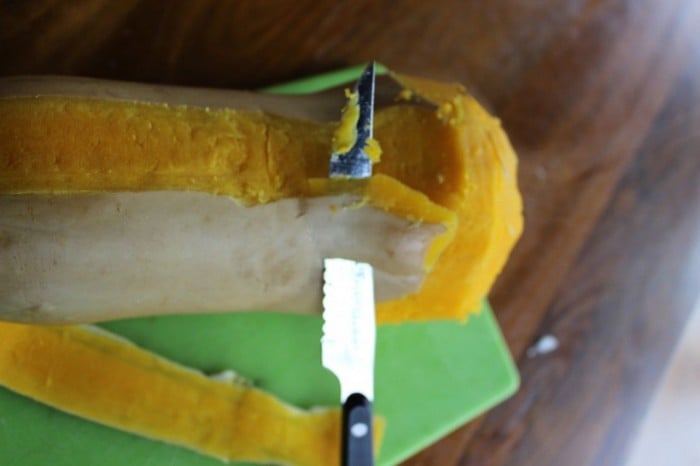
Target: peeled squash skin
<point>142,393</point>
<point>463,163</point>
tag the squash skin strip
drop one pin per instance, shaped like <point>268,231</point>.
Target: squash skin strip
<point>92,374</point>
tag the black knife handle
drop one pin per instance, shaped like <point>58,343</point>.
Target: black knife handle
<point>357,432</point>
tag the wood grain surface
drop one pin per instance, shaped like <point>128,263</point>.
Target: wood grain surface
<point>601,99</point>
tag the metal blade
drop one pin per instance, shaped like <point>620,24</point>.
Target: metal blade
<point>349,328</point>
<point>355,163</point>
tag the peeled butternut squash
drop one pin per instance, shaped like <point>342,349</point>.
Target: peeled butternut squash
<point>142,393</point>
<point>437,221</point>
<point>122,199</point>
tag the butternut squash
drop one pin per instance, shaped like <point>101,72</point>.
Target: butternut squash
<point>452,155</point>
<point>147,395</point>
<point>137,181</point>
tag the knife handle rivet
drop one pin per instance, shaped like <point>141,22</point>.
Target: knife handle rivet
<point>359,429</point>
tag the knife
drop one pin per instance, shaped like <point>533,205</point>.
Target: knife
<point>349,328</point>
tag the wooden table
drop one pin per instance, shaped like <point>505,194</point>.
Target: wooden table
<point>602,101</point>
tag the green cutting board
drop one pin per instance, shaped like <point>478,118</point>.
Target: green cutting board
<point>430,377</point>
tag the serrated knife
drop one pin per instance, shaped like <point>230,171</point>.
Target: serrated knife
<point>349,328</point>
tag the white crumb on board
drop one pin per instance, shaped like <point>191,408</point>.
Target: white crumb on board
<point>546,344</point>
<point>229,377</point>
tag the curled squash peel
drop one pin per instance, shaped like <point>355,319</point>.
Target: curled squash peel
<point>142,393</point>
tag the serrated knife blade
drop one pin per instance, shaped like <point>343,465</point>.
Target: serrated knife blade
<point>347,347</point>
<point>349,328</point>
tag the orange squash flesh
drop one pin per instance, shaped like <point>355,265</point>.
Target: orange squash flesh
<point>142,393</point>
<point>459,157</point>
<point>469,167</point>
<point>249,155</point>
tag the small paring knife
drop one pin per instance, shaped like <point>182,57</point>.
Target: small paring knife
<point>349,328</point>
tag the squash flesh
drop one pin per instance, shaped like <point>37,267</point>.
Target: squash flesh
<point>479,185</point>
<point>249,155</point>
